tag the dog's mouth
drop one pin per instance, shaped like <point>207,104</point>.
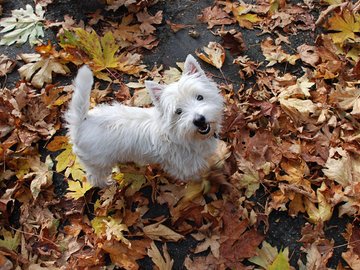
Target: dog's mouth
<point>204,129</point>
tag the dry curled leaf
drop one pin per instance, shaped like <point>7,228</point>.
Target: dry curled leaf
<point>214,54</point>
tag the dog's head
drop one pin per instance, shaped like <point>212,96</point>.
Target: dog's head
<point>191,107</point>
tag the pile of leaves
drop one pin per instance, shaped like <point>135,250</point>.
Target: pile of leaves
<point>292,135</point>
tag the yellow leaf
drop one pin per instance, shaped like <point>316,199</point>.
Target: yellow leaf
<point>110,228</point>
<point>77,190</point>
<point>244,18</point>
<point>346,25</point>
<point>66,160</point>
<point>333,2</point>
<point>270,259</point>
<point>97,223</point>
<point>281,261</point>
<point>103,54</point>
<point>323,211</point>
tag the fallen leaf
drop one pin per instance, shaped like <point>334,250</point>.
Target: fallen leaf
<point>147,20</point>
<point>162,262</point>
<point>244,17</point>
<point>10,241</point>
<point>6,65</point>
<point>323,211</point>
<point>158,231</point>
<point>77,190</point>
<point>214,54</point>
<point>215,16</point>
<point>38,70</point>
<point>269,258</point>
<point>345,25</point>
<point>275,54</point>
<point>23,25</point>
<point>41,175</point>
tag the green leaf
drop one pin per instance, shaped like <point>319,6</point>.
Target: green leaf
<point>11,242</point>
<point>23,25</point>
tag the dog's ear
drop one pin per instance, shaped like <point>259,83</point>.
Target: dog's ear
<point>155,90</point>
<point>191,66</point>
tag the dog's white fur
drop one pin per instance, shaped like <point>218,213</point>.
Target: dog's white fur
<point>111,134</point>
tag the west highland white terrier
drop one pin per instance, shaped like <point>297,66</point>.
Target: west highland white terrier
<point>179,132</point>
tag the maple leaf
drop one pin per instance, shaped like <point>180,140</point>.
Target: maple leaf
<point>114,230</point>
<point>38,70</point>
<point>244,17</point>
<point>10,241</point>
<point>102,53</point>
<point>275,54</point>
<point>25,24</point>
<point>163,262</point>
<point>41,175</point>
<point>270,259</point>
<point>66,160</point>
<point>211,242</point>
<point>110,228</point>
<point>342,167</point>
<point>248,177</point>
<point>347,98</point>
<point>124,256</point>
<point>215,16</point>
<point>127,32</point>
<point>323,211</point>
<point>147,20</point>
<point>296,173</point>
<point>346,25</point>
<point>215,54</point>
<point>77,189</point>
<point>308,54</point>
<point>352,256</point>
<point>171,75</point>
<point>157,231</point>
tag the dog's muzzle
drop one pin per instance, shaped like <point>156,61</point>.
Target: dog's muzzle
<point>203,127</point>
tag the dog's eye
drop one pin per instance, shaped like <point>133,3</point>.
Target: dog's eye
<point>178,111</point>
<point>199,97</point>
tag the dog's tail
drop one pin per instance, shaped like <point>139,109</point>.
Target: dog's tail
<point>80,103</point>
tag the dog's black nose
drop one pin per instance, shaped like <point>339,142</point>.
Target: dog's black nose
<point>199,121</point>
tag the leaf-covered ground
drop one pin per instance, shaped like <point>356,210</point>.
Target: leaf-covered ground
<point>283,191</point>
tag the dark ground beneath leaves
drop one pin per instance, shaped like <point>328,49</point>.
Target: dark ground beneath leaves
<point>284,231</point>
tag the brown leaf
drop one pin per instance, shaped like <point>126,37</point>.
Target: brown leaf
<point>158,231</point>
<point>6,65</point>
<point>234,41</point>
<point>123,256</point>
<point>175,27</point>
<point>215,16</point>
<point>147,20</point>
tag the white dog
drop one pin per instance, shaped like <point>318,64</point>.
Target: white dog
<point>178,132</point>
